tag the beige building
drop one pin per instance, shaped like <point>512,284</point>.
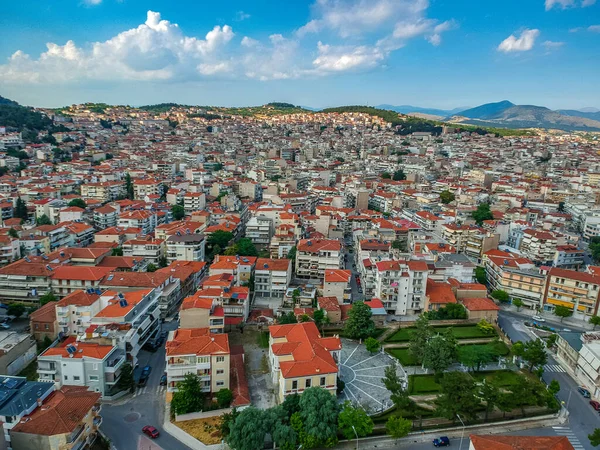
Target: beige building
<point>315,256</point>
<point>337,284</point>
<point>578,291</point>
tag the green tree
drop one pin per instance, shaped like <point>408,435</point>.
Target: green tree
<point>292,255</point>
<point>43,220</point>
<point>227,420</point>
<point>20,211</point>
<point>518,303</point>
<point>393,383</point>
<point>474,356</point>
<point>291,405</point>
<point>490,394</point>
<point>178,212</point>
<point>482,213</point>
<point>534,352</point>
<point>526,392</point>
<point>359,324</point>
<point>440,352</point>
<point>286,318</point>
<point>595,320</point>
<point>561,207</point>
<point>518,349</point>
<point>47,298</point>
<point>151,268</point>
<point>447,197</point>
<point>78,202</point>
<point>15,309</point>
<point>319,414</point>
<point>398,427</point>
<point>224,398</point>
<point>13,233</point>
<point>554,387</point>
<point>419,338</point>
<point>399,245</point>
<point>220,238</point>
<point>500,295</point>
<point>458,396</point>
<point>189,396</point>
<point>399,175</point>
<point>481,275</point>
<point>594,437</point>
<point>245,247</point>
<point>351,419</point>
<point>249,428</point>
<point>386,175</point>
<point>319,318</point>
<point>126,380</point>
<point>118,251</point>
<point>562,312</point>
<point>162,262</point>
<point>551,340</point>
<point>485,327</point>
<point>128,187</point>
<point>372,345</point>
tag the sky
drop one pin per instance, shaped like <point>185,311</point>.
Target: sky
<point>317,53</point>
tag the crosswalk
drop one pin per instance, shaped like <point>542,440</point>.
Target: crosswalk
<point>154,390</point>
<point>554,368</point>
<point>566,431</point>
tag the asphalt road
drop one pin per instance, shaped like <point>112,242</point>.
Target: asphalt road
<point>122,421</point>
<point>582,417</point>
<point>355,294</point>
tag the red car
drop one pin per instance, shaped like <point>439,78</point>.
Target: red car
<point>151,431</point>
<point>595,405</point>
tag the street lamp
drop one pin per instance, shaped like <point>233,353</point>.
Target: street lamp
<point>356,436</point>
<point>462,435</point>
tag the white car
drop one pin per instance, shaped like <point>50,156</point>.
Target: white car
<point>539,318</point>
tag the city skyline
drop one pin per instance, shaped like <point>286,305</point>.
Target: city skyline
<point>316,54</point>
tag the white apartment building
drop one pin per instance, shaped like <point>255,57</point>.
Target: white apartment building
<point>314,256</point>
<point>147,248</point>
<point>186,247</point>
<point>401,286</point>
<point>539,246</point>
<point>588,363</point>
<point>272,277</point>
<point>146,221</point>
<point>260,230</point>
<point>194,201</point>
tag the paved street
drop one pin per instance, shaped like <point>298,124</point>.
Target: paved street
<point>582,417</point>
<point>348,265</point>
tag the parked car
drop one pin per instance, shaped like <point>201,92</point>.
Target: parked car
<point>442,441</point>
<point>144,376</point>
<point>538,318</point>
<point>595,405</point>
<point>5,326</point>
<point>583,391</point>
<point>150,431</point>
<point>163,380</point>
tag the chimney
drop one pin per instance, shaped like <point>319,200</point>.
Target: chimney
<point>39,402</point>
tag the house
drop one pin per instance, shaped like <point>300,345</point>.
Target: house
<point>300,358</point>
<point>332,309</point>
<point>315,256</point>
<point>241,267</point>
<point>67,419</point>
<point>481,308</point>
<point>272,277</point>
<point>186,247</point>
<point>439,294</point>
<point>146,221</point>
<point>43,323</point>
<point>68,279</point>
<point>378,312</point>
<point>495,442</point>
<point>568,346</point>
<point>336,284</point>
<point>200,352</point>
<point>146,247</point>
<point>202,312</point>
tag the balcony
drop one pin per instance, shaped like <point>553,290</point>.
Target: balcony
<point>97,421</point>
<point>75,435</point>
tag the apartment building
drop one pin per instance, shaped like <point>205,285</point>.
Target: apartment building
<point>568,257</point>
<point>539,246</point>
<point>401,286</point>
<point>260,230</point>
<point>25,281</point>
<point>146,221</point>
<point>81,233</point>
<point>337,284</point>
<point>588,363</point>
<point>146,247</point>
<point>105,191</point>
<point>68,279</point>
<point>478,244</point>
<point>200,352</point>
<point>315,256</point>
<point>283,240</point>
<point>578,291</point>
<point>272,277</point>
<point>234,300</point>
<point>427,221</point>
<point>68,419</point>
<point>250,190</point>
<point>202,312</point>
<point>75,311</point>
<point>105,217</point>
<point>10,250</point>
<point>43,323</point>
<point>58,235</point>
<point>300,358</point>
<point>241,267</point>
<point>144,188</point>
<point>185,247</point>
<point>194,201</point>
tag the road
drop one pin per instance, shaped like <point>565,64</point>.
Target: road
<point>582,417</point>
<point>122,421</point>
<point>348,265</point>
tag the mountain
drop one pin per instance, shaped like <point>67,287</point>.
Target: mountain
<point>590,114</point>
<point>589,109</point>
<point>6,101</point>
<point>509,115</point>
<point>407,109</point>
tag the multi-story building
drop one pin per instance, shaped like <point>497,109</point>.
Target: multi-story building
<point>185,247</point>
<point>43,323</point>
<point>337,284</point>
<point>58,234</point>
<point>241,267</point>
<point>300,358</point>
<point>10,250</point>
<point>578,291</point>
<point>198,351</point>
<point>145,247</point>
<point>105,217</point>
<point>588,363</point>
<point>25,281</point>
<point>568,257</point>
<point>144,188</point>
<point>260,230</point>
<point>68,279</point>
<point>75,311</point>
<point>146,221</point>
<point>105,191</point>
<point>68,419</point>
<point>202,312</point>
<point>539,246</point>
<point>401,286</point>
<point>194,201</point>
<point>272,277</point>
<point>315,256</point>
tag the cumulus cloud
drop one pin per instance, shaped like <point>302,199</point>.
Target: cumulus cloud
<point>552,45</point>
<point>241,15</point>
<point>594,28</point>
<point>92,2</point>
<point>522,43</point>
<point>586,3</point>
<point>564,4</point>
<point>343,58</point>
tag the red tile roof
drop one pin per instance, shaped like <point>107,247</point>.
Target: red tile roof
<point>480,304</point>
<point>439,292</point>
<point>337,276</point>
<point>520,442</point>
<point>318,245</point>
<point>197,341</point>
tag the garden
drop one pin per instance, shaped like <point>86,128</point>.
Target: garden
<point>458,331</point>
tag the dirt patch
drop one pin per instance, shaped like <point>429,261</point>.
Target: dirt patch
<point>205,430</point>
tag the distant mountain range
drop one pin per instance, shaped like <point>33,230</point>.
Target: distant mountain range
<point>408,109</point>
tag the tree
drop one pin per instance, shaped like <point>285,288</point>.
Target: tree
<point>128,187</point>
<point>43,220</point>
<point>419,337</point>
<point>78,202</point>
<point>47,298</point>
<point>291,405</point>
<point>151,268</point>
<point>554,387</point>
<point>15,309</point>
<point>398,427</point>
<point>318,413</point>
<point>13,233</point>
<point>518,303</point>
<point>551,340</point>
<point>292,255</point>
<point>224,398</point>
<point>386,175</point>
<point>162,262</point>
<point>117,251</point>
<point>473,356</point>
<point>440,352</point>
<point>227,420</point>
<point>595,437</point>
<point>448,312</point>
<point>220,238</point>
<point>399,245</point>
<point>562,312</point>
<point>595,320</point>
<point>286,318</point>
<point>518,349</point>
<point>319,318</point>
<point>482,213</point>
<point>393,383</point>
<point>372,345</point>
<point>481,275</point>
<point>399,175</point>
<point>245,247</point>
<point>359,325</point>
<point>126,380</point>
<point>21,209</point>
<point>351,419</point>
<point>500,295</point>
<point>526,392</point>
<point>178,212</point>
<point>534,352</point>
<point>561,207</point>
<point>490,394</point>
<point>458,396</point>
<point>189,396</point>
<point>447,197</point>
<point>248,430</point>
<point>485,327</point>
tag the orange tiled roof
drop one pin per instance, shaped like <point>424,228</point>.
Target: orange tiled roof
<point>480,304</point>
<point>197,341</point>
<point>520,442</point>
<point>439,292</point>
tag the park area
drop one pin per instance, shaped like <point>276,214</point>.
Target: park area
<point>458,331</point>
<point>406,358</point>
<point>426,384</point>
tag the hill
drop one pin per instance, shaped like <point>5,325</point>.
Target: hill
<point>593,115</point>
<point>408,109</point>
<point>486,111</point>
<point>20,118</point>
<point>6,101</point>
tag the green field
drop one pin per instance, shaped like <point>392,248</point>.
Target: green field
<point>504,378</point>
<point>423,385</point>
<point>498,347</point>
<point>263,339</point>
<point>404,356</point>
<point>459,332</point>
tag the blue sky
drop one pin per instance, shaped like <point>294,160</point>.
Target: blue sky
<point>316,53</point>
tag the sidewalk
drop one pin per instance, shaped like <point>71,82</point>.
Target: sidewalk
<point>551,318</point>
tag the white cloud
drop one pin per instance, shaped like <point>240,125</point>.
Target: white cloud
<point>249,42</point>
<point>342,58</point>
<point>586,3</point>
<point>92,2</point>
<point>552,45</point>
<point>523,43</point>
<point>241,15</point>
<point>564,4</point>
<point>594,28</point>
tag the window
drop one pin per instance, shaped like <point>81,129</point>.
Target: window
<point>220,383</point>
<point>66,377</point>
<point>93,377</point>
<point>220,371</point>
<point>322,382</point>
<point>220,359</point>
<point>295,384</point>
<point>75,378</point>
<point>307,383</point>
<point>46,326</point>
<point>201,360</point>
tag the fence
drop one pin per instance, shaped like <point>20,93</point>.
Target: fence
<point>201,414</point>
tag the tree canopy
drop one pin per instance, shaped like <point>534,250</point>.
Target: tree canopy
<point>482,213</point>
<point>458,396</point>
<point>562,312</point>
<point>351,419</point>
<point>419,337</point>
<point>359,324</point>
<point>447,197</point>
<point>534,352</point>
<point>189,396</point>
<point>78,202</point>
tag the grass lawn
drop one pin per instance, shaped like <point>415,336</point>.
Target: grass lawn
<point>30,372</point>
<point>339,331</point>
<point>413,414</point>
<point>422,385</point>
<point>263,339</point>
<point>459,332</point>
<point>504,378</point>
<point>499,347</point>
<point>403,355</point>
